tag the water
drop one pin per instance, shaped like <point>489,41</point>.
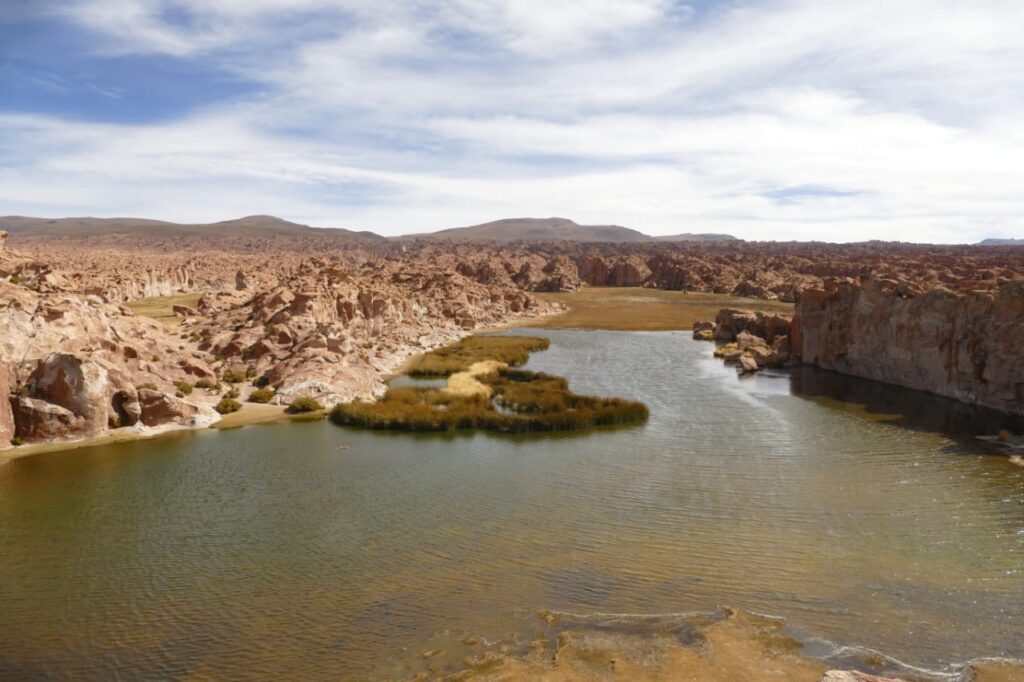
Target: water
<point>277,551</point>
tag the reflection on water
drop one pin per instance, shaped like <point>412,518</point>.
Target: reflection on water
<point>275,551</point>
<point>911,409</point>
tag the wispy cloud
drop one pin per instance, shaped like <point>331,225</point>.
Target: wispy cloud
<point>773,120</point>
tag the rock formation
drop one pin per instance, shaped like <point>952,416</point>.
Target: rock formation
<point>960,345</point>
<point>327,314</point>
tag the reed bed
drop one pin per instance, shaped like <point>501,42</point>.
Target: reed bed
<point>522,402</point>
<point>458,357</point>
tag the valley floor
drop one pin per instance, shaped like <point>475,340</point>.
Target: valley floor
<point>641,309</point>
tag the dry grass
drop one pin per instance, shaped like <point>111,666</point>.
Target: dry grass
<point>466,383</point>
<point>636,308</point>
<point>458,357</point>
<point>160,307</point>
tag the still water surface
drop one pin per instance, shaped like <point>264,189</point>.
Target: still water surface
<point>277,551</point>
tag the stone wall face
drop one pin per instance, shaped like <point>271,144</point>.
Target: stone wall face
<point>7,383</point>
<point>963,346</point>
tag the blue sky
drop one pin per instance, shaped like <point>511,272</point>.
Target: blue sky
<point>788,119</point>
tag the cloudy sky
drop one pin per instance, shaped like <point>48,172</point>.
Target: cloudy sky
<point>838,120</point>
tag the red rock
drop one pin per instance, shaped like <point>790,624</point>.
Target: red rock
<point>158,408</point>
<point>964,346</point>
<point>37,420</point>
<point>7,386</point>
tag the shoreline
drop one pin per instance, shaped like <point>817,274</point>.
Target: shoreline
<point>250,413</point>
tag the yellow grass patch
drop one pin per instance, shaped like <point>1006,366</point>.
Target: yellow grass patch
<point>640,309</point>
<point>466,383</point>
<point>161,308</point>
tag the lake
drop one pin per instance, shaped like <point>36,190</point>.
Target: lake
<point>309,551</point>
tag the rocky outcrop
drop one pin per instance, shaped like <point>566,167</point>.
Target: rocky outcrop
<point>7,387</point>
<point>960,345</point>
<point>79,386</point>
<point>38,420</point>
<point>704,331</point>
<point>730,323</point>
<point>158,409</point>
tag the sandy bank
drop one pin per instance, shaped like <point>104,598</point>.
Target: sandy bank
<point>251,413</point>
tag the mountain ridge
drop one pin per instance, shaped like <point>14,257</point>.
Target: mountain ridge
<point>505,230</point>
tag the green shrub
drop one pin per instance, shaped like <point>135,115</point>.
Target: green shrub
<point>231,393</point>
<point>261,395</point>
<point>184,387</point>
<point>228,405</point>
<point>148,385</point>
<point>16,441</point>
<point>232,376</point>
<point>300,405</point>
<point>15,279</point>
<point>250,372</point>
<point>155,358</point>
<point>512,350</point>
<point>207,384</point>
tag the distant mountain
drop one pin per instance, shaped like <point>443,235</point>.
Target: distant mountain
<point>695,237</point>
<point>258,229</point>
<point>552,229</point>
<point>1002,242</point>
<point>249,226</point>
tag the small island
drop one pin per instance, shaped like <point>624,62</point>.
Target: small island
<point>484,391</point>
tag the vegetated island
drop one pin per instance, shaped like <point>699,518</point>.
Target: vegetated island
<point>484,391</point>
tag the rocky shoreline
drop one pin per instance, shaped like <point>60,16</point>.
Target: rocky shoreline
<point>956,345</point>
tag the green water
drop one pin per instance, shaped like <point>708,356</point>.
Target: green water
<point>276,551</point>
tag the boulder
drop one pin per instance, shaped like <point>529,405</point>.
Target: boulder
<point>38,420</point>
<point>158,408</point>
<point>704,331</point>
<point>746,341</point>
<point>729,323</point>
<point>184,310</point>
<point>748,364</point>
<point>78,385</point>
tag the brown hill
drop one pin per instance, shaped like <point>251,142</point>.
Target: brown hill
<point>249,226</point>
<point>554,229</point>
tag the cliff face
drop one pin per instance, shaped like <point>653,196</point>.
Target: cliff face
<point>963,346</point>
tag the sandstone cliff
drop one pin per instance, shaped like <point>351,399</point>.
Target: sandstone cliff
<point>961,345</point>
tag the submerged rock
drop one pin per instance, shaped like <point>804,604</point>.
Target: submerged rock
<point>704,331</point>
<point>855,676</point>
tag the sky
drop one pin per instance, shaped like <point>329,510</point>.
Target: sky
<point>834,120</point>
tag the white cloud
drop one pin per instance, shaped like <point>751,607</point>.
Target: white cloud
<point>873,119</point>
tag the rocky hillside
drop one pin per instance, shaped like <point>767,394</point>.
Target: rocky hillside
<point>75,362</point>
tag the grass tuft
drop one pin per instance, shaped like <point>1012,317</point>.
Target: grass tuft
<point>301,405</point>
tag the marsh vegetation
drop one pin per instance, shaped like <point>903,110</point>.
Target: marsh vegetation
<point>458,357</point>
<point>521,402</point>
